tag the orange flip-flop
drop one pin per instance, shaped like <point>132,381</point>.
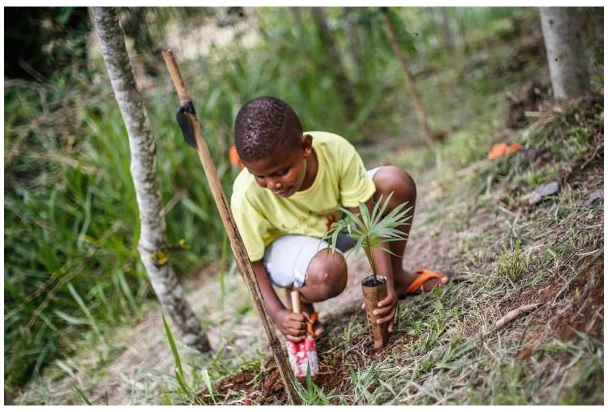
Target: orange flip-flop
<point>316,329</point>
<point>422,275</point>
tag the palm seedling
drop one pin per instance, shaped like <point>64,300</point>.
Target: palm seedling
<point>371,230</point>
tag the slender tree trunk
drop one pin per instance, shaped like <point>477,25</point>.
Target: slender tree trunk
<point>409,77</point>
<point>152,244</point>
<point>447,34</point>
<point>297,17</point>
<point>353,41</point>
<point>567,64</point>
<point>461,30</point>
<point>134,24</point>
<point>345,86</point>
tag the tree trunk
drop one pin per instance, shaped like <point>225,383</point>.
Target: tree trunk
<point>299,26</point>
<point>447,35</point>
<point>134,23</point>
<point>345,87</point>
<point>409,77</point>
<point>353,41</point>
<point>567,64</point>
<point>152,244</point>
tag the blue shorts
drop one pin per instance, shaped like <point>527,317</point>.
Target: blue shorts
<point>286,259</point>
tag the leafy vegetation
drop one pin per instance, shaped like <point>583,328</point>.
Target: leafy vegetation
<point>72,273</point>
<point>370,229</point>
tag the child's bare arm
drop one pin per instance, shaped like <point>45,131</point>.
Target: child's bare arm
<point>292,325</point>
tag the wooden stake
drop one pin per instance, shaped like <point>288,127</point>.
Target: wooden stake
<point>236,242</point>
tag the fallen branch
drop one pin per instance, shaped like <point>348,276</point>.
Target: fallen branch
<point>590,159</point>
<point>512,315</point>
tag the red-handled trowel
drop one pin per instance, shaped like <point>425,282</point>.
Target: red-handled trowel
<point>302,355</point>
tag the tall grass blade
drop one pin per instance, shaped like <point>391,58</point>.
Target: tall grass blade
<point>83,396</point>
<point>179,372</point>
<point>86,311</point>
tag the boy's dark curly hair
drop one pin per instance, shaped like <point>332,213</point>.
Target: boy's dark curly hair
<point>261,125</point>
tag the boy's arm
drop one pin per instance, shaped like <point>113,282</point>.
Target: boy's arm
<point>292,325</point>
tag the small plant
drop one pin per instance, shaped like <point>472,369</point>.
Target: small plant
<point>365,381</point>
<point>185,391</point>
<point>371,230</point>
<point>310,393</point>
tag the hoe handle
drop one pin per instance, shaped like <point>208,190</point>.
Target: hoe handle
<point>295,301</point>
<point>176,76</point>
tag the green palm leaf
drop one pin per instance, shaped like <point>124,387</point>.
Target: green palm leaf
<point>370,229</point>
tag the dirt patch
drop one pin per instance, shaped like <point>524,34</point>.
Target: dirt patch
<point>586,313</point>
<point>565,309</point>
<point>573,303</point>
<point>264,386</point>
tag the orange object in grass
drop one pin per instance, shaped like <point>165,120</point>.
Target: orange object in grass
<point>501,149</point>
<point>514,148</point>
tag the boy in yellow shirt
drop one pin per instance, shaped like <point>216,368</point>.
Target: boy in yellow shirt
<point>285,200</point>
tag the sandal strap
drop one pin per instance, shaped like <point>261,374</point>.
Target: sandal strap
<point>314,317</point>
<point>423,276</point>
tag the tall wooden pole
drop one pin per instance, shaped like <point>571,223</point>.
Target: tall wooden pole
<point>236,242</point>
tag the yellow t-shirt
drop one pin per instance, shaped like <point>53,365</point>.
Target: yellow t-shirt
<point>341,180</point>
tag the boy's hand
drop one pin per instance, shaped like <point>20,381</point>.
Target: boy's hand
<point>386,308</point>
<point>292,325</point>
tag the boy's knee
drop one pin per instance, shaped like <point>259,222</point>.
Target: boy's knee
<point>328,270</point>
<point>391,179</point>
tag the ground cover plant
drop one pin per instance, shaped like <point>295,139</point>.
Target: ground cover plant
<point>81,322</point>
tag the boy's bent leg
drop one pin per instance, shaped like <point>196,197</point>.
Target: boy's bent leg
<point>287,258</point>
<point>326,276</point>
<point>307,264</point>
<point>391,179</point>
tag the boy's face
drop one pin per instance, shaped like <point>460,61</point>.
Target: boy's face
<point>286,170</point>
